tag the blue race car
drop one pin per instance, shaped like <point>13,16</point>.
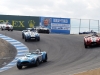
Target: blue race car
<point>31,35</point>
<point>32,59</point>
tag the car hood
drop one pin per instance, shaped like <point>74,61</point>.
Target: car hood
<point>44,28</point>
<point>28,58</point>
<point>93,38</point>
<point>32,33</point>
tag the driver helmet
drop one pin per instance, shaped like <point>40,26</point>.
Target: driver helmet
<point>94,34</point>
<point>28,30</point>
<point>37,51</point>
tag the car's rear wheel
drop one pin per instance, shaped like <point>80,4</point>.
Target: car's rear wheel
<point>45,58</point>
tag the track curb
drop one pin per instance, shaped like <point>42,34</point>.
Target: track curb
<point>21,50</point>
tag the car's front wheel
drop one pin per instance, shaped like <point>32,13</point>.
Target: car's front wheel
<point>47,32</point>
<point>11,29</point>
<point>2,29</point>
<point>19,67</point>
<point>38,31</point>
<point>22,36</point>
<point>25,39</point>
<point>37,63</point>
<point>85,45</point>
<point>37,38</point>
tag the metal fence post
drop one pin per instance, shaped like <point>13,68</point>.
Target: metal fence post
<point>89,25</point>
<point>98,26</point>
<point>80,25</point>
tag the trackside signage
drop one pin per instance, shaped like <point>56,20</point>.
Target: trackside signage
<point>20,22</point>
<point>60,25</point>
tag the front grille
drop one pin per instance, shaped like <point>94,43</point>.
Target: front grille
<point>93,43</point>
<point>25,62</point>
<point>32,37</point>
<point>7,27</point>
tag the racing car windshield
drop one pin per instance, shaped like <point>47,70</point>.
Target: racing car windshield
<point>28,28</point>
<point>8,23</point>
<point>37,51</point>
<point>28,55</point>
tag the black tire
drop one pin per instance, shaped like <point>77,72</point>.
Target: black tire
<point>38,31</point>
<point>85,45</point>
<point>37,63</point>
<point>38,39</point>
<point>22,36</point>
<point>19,67</point>
<point>47,32</point>
<point>11,29</point>
<point>25,39</point>
<point>46,57</point>
<point>2,29</point>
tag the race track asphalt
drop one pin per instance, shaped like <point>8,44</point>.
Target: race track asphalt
<point>66,55</point>
<point>7,52</point>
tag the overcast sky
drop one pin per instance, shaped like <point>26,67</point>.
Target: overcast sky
<point>85,9</point>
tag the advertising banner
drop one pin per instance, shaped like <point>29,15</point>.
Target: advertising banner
<point>60,25</point>
<point>45,21</point>
<point>20,22</point>
<point>56,25</point>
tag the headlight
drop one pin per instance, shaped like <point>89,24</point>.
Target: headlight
<point>28,34</point>
<point>18,61</point>
<point>32,60</point>
<point>37,34</point>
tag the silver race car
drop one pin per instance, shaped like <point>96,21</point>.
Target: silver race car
<point>26,31</point>
<point>30,34</point>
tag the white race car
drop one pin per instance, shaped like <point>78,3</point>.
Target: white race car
<point>6,26</point>
<point>31,35</point>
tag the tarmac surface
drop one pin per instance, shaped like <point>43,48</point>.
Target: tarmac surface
<point>66,55</point>
<point>7,52</point>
